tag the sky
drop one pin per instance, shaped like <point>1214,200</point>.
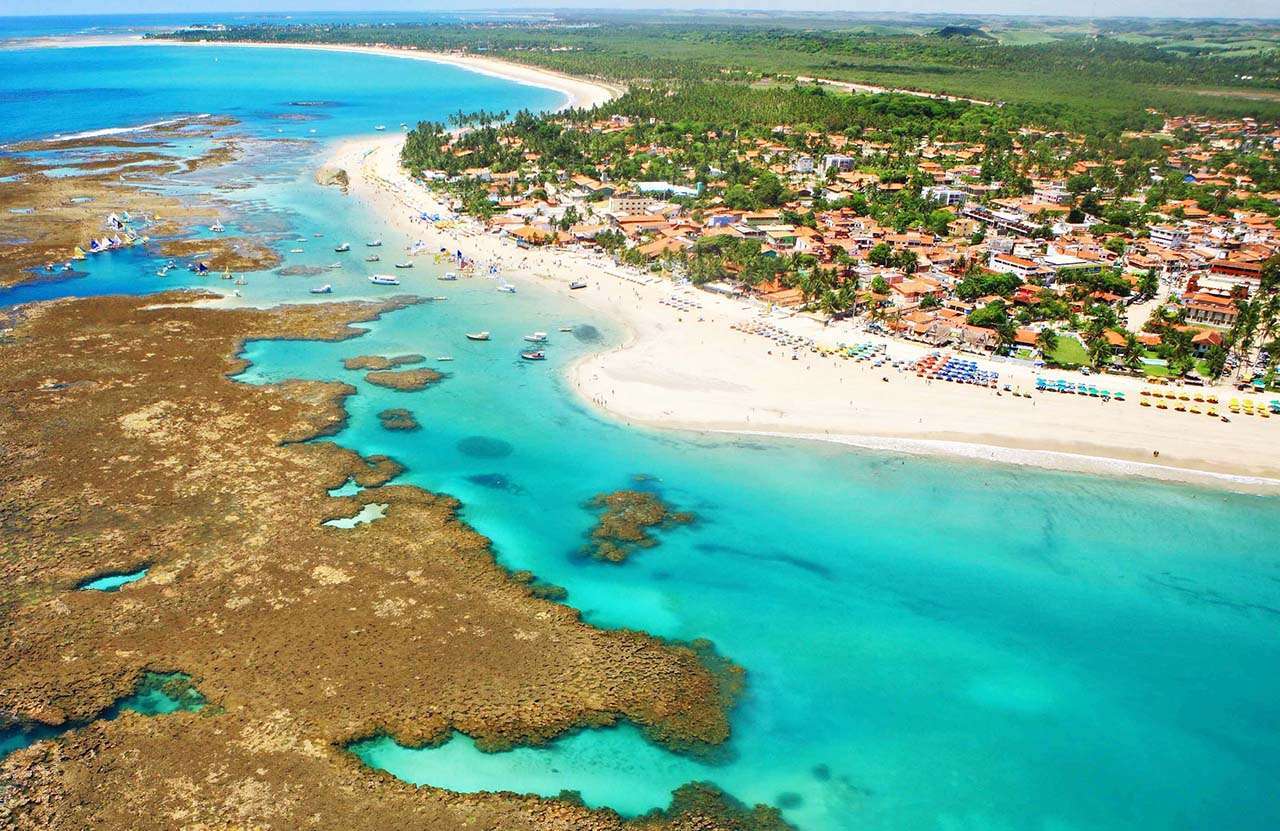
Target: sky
<point>1084,8</point>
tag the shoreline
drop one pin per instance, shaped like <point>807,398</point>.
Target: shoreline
<point>687,369</point>
<point>580,92</point>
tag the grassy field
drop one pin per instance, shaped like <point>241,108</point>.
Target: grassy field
<point>1069,352</point>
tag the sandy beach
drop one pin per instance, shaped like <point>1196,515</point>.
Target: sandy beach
<point>578,92</point>
<point>684,365</point>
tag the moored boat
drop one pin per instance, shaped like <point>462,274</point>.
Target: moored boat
<point>372,258</point>
<point>449,276</point>
<point>346,246</point>
<point>535,355</point>
<point>325,289</point>
<point>377,243</point>
<point>536,337</point>
<point>478,335</point>
<point>508,288</point>
<point>577,284</point>
<point>384,280</point>
<point>217,228</point>
<point>405,264</point>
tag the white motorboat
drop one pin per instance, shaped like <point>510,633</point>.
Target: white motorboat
<point>377,243</point>
<point>477,335</point>
<point>384,280</point>
<point>405,264</point>
<point>448,276</point>
<point>346,246</point>
<point>325,289</point>
<point>536,337</point>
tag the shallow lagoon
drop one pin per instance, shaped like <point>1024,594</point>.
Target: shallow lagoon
<point>928,644</point>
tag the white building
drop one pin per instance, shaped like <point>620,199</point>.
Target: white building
<point>839,161</point>
<point>944,195</point>
<point>1169,236</point>
<point>1009,264</point>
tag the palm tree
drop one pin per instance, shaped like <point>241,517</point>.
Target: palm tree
<point>1099,350</point>
<point>1132,351</point>
<point>1047,341</point>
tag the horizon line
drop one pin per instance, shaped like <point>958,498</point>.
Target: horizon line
<point>659,8</point>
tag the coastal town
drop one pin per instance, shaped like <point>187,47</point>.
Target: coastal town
<point>1161,264</point>
<point>639,420</point>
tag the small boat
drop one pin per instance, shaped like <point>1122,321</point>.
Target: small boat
<point>342,248</point>
<point>380,127</point>
<point>536,355</point>
<point>217,228</point>
<point>295,250</point>
<point>508,288</point>
<point>384,280</point>
<point>240,281</point>
<point>372,258</point>
<point>325,289</point>
<point>536,337</point>
<point>477,335</point>
<point>405,264</point>
<point>445,358</point>
<point>335,265</point>
<point>566,328</point>
<point>374,244</point>
<point>318,234</point>
<point>577,284</point>
<point>448,277</point>
<point>226,273</point>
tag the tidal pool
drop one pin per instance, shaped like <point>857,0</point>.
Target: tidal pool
<point>113,582</point>
<point>157,694</point>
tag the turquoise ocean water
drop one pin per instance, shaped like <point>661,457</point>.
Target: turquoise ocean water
<point>929,644</point>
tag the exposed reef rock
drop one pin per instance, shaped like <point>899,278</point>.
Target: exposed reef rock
<point>625,521</point>
<point>56,213</point>
<point>327,176</point>
<point>398,418</point>
<point>404,380</point>
<point>224,253</point>
<point>381,361</point>
<point>126,440</point>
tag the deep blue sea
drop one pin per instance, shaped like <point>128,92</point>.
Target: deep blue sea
<point>930,645</point>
